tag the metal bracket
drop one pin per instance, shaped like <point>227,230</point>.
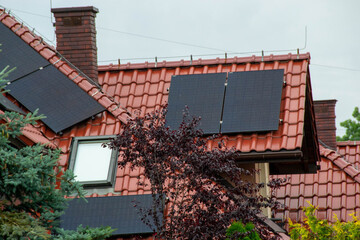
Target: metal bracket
<point>97,91</point>
<point>75,77</point>
<point>57,61</point>
<point>21,25</point>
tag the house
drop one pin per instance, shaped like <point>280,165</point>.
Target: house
<point>88,105</point>
<point>335,188</point>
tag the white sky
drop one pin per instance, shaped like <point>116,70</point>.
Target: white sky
<point>333,34</point>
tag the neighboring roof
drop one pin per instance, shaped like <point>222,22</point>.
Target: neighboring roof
<point>143,87</point>
<point>350,150</point>
<point>50,54</point>
<point>335,189</point>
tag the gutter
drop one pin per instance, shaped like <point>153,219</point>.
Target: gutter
<point>271,157</point>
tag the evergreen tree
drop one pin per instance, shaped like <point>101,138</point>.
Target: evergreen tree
<point>31,199</point>
<point>352,127</point>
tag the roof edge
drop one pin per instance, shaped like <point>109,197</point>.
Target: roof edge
<point>348,143</point>
<point>271,156</point>
<point>340,162</point>
<point>201,62</point>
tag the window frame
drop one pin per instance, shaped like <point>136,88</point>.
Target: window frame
<point>112,165</point>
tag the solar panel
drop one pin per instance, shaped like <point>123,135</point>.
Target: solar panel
<point>203,94</point>
<point>57,97</point>
<point>7,105</point>
<point>16,53</point>
<point>252,101</point>
<point>116,211</point>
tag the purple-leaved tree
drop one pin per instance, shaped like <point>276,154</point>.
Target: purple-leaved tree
<point>197,192</point>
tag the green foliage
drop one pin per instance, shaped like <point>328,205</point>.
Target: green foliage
<point>316,229</point>
<point>238,231</point>
<point>85,233</point>
<point>31,199</point>
<point>352,127</point>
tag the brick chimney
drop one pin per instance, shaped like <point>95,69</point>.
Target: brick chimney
<point>76,37</point>
<point>325,121</point>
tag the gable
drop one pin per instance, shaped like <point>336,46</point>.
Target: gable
<point>143,88</point>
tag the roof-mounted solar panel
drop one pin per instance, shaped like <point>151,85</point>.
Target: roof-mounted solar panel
<point>116,211</point>
<point>16,53</point>
<point>203,94</point>
<point>37,84</point>
<point>252,101</point>
<point>57,97</point>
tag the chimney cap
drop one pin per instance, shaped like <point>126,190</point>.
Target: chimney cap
<point>326,101</point>
<point>75,9</point>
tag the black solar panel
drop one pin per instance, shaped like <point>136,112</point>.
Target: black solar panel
<point>252,101</point>
<point>117,211</point>
<point>203,94</point>
<point>57,97</point>
<point>7,105</point>
<point>16,53</point>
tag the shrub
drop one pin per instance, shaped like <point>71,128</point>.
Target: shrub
<point>314,228</point>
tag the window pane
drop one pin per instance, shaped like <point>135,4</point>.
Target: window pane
<point>92,162</point>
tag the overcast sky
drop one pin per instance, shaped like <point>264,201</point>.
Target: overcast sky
<point>129,29</point>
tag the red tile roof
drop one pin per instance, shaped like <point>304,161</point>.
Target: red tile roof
<point>142,88</point>
<point>335,189</point>
<point>350,150</point>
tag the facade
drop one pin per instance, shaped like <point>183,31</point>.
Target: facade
<point>115,93</point>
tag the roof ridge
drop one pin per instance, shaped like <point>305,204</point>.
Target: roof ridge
<point>348,143</point>
<point>340,162</point>
<point>201,62</point>
<point>63,65</point>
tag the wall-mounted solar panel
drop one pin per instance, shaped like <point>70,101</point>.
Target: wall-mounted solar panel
<point>56,96</point>
<point>117,211</point>
<point>203,94</point>
<point>16,53</point>
<point>252,101</point>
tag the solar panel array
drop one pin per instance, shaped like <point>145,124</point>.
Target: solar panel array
<point>249,102</point>
<point>116,211</point>
<point>37,84</point>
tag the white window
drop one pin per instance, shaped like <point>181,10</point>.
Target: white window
<point>92,164</point>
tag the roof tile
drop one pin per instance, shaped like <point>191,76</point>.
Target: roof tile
<point>335,188</point>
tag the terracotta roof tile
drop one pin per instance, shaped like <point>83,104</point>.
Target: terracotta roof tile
<point>334,189</point>
<point>143,88</point>
<point>350,150</point>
